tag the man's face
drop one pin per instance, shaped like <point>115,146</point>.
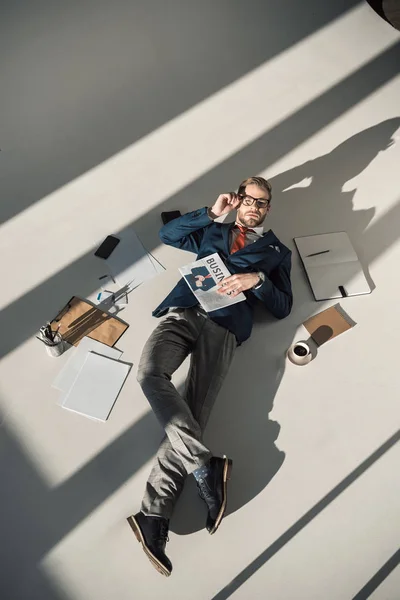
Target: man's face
<point>253,216</point>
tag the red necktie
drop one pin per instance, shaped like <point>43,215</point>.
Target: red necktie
<point>240,239</point>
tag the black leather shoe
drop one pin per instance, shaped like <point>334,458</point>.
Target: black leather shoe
<point>152,533</point>
<point>213,490</point>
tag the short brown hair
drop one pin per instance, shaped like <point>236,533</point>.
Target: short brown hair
<point>260,182</point>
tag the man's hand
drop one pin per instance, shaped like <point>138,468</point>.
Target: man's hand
<point>225,203</point>
<point>234,284</point>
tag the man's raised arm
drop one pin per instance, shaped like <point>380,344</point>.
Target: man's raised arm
<point>186,232</point>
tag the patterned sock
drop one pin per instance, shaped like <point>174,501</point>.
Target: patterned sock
<point>201,472</point>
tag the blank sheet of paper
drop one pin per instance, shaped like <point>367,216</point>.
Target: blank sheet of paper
<point>70,370</point>
<point>97,386</point>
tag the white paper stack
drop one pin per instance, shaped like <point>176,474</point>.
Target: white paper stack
<point>92,379</point>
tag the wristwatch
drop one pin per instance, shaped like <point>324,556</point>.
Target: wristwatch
<point>261,279</point>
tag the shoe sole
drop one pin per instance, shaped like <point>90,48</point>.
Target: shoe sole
<point>139,536</point>
<point>226,477</point>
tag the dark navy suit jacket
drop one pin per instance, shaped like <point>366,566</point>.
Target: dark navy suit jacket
<point>197,233</point>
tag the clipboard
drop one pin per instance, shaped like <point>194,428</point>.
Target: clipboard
<point>328,324</point>
<point>80,318</point>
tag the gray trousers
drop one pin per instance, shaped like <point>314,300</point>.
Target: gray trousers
<point>212,347</point>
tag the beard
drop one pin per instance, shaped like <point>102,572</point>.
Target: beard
<point>250,221</point>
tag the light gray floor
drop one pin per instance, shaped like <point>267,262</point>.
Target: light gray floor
<point>111,113</point>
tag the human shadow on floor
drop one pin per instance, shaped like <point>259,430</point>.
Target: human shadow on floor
<point>310,198</point>
<point>240,425</point>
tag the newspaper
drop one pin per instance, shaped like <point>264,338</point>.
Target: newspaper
<point>203,277</point>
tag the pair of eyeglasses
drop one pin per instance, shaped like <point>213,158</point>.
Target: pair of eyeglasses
<point>249,201</point>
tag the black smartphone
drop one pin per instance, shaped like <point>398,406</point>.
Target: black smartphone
<point>105,249</point>
<point>166,217</point>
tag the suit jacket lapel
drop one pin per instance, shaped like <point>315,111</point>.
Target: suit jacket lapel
<point>267,239</point>
<point>226,236</point>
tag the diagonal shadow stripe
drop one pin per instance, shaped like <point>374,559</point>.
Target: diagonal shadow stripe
<point>33,522</point>
<point>104,474</point>
<point>99,79</point>
<point>25,315</point>
<point>34,518</point>
<point>265,556</point>
<point>379,577</point>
